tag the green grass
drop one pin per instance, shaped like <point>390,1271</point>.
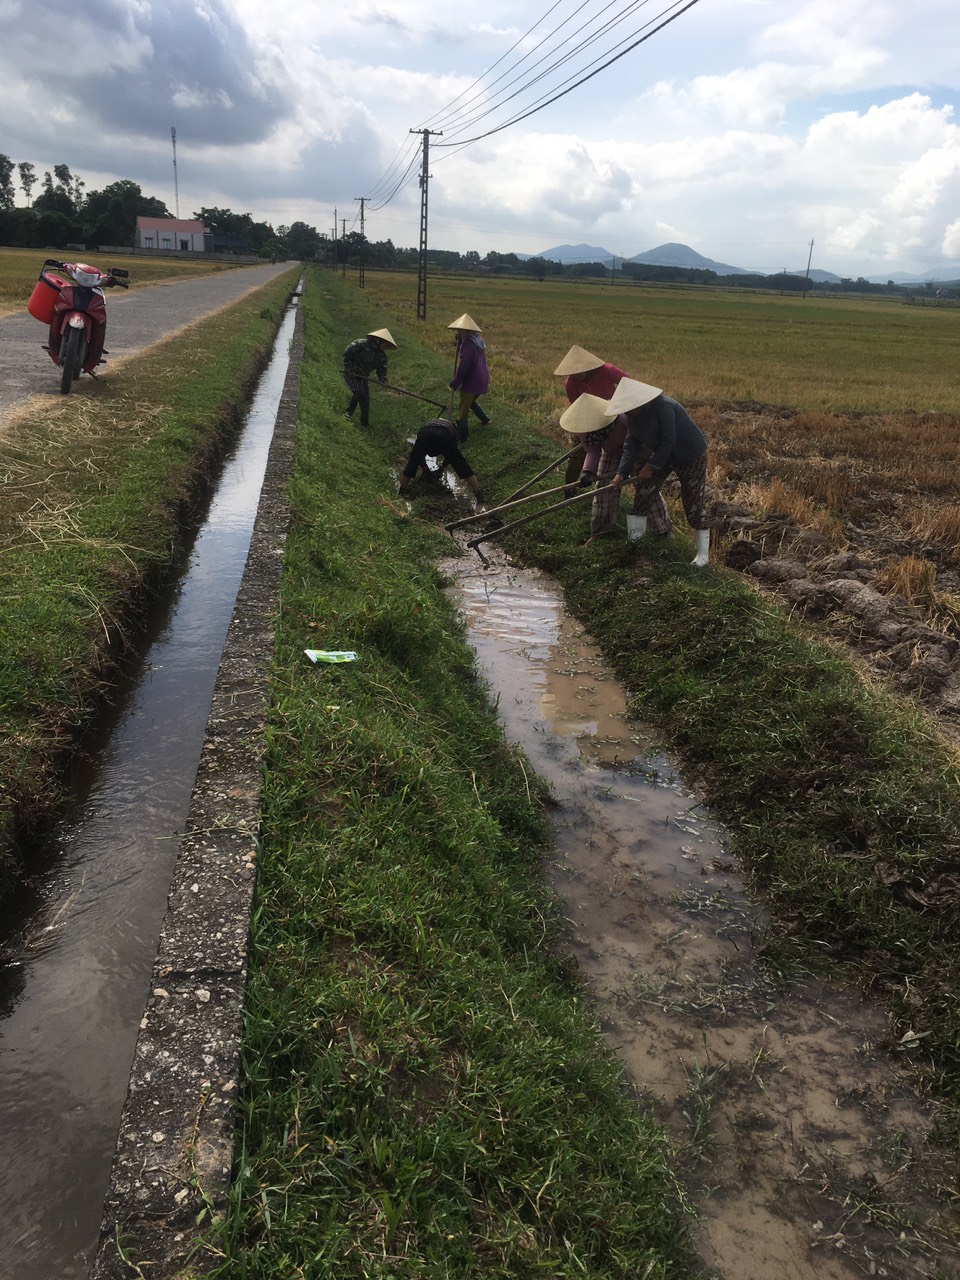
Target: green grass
<point>426,1093</point>
<point>97,492</point>
<point>701,345</point>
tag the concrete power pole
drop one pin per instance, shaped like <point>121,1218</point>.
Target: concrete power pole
<point>362,200</point>
<point>422,259</point>
<point>806,279</point>
<point>176,188</point>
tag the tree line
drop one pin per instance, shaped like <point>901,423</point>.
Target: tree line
<point>64,213</point>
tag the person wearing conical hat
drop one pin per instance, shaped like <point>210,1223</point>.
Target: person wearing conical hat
<point>361,358</point>
<point>471,377</point>
<point>587,374</point>
<point>661,431</point>
<point>602,442</point>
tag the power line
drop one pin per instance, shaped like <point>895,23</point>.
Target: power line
<point>383,192</point>
<point>492,104</point>
<point>546,102</point>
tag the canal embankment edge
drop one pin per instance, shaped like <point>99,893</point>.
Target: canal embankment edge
<point>175,1143</point>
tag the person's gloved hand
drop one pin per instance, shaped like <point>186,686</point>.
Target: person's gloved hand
<point>481,499</point>
<point>452,386</point>
<point>586,479</point>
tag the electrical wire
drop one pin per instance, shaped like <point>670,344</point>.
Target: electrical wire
<point>548,100</point>
<point>455,119</point>
<point>493,103</point>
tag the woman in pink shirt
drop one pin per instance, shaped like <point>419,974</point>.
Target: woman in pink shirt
<point>588,375</point>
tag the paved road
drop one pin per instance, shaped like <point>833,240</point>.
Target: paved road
<point>134,320</point>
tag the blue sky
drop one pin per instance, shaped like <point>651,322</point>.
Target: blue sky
<point>744,128</point>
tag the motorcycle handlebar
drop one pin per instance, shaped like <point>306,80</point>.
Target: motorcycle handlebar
<point>109,278</point>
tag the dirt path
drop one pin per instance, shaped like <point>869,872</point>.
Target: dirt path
<point>135,320</point>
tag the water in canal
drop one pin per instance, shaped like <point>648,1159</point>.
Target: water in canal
<point>85,936</point>
<point>803,1149</point>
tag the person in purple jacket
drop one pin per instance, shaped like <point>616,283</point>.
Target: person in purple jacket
<point>471,377</point>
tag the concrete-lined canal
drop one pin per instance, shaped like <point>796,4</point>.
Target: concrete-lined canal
<point>83,937</point>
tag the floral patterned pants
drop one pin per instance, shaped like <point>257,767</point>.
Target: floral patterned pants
<point>648,501</point>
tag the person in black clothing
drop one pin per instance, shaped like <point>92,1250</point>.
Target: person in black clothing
<point>363,357</point>
<point>440,438</point>
<point>661,437</point>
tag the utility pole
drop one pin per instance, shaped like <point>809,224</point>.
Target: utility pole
<point>343,241</point>
<point>806,279</point>
<point>362,200</point>
<point>176,189</point>
<point>422,259</point>
<point>613,269</point>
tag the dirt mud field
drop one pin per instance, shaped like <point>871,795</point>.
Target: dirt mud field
<point>853,522</point>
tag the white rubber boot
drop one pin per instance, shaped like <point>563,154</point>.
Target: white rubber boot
<point>703,548</point>
<point>636,527</point>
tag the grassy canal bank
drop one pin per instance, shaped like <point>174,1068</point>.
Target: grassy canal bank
<point>426,1093</point>
<point>99,490</point>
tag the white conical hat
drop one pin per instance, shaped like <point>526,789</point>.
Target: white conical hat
<point>587,413</point>
<point>383,334</point>
<point>577,360</point>
<point>465,322</point>
<point>630,394</point>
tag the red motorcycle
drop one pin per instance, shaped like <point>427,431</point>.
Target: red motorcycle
<point>70,300</point>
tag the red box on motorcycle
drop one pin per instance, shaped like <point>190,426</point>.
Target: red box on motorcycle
<point>45,293</point>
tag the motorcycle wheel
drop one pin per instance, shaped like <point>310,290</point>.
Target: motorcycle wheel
<point>71,356</point>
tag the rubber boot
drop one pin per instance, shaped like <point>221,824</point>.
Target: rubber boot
<point>463,425</point>
<point>636,527</point>
<point>703,548</point>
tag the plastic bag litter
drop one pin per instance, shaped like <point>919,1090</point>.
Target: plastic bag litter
<point>331,655</point>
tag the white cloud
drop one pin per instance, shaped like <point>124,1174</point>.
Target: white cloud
<point>743,129</point>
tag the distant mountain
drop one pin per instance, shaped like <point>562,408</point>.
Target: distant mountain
<point>946,273</point>
<point>574,253</point>
<point>681,255</point>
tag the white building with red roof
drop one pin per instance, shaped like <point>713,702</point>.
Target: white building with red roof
<point>182,235</point>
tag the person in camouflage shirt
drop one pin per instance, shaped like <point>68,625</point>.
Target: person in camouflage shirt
<point>363,357</point>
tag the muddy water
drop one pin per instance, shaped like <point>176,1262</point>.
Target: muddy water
<point>84,938</point>
<point>802,1149</point>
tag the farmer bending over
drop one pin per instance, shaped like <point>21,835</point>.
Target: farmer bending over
<point>674,442</point>
<point>601,443</point>
<point>363,357</point>
<point>440,438</point>
<point>587,375</point>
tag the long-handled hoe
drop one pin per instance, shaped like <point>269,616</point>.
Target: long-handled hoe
<point>474,543</point>
<point>514,499</point>
<point>375,382</point>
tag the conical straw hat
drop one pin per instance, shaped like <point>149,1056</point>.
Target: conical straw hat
<point>577,360</point>
<point>385,334</point>
<point>587,413</point>
<point>631,394</point>
<point>465,322</point>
